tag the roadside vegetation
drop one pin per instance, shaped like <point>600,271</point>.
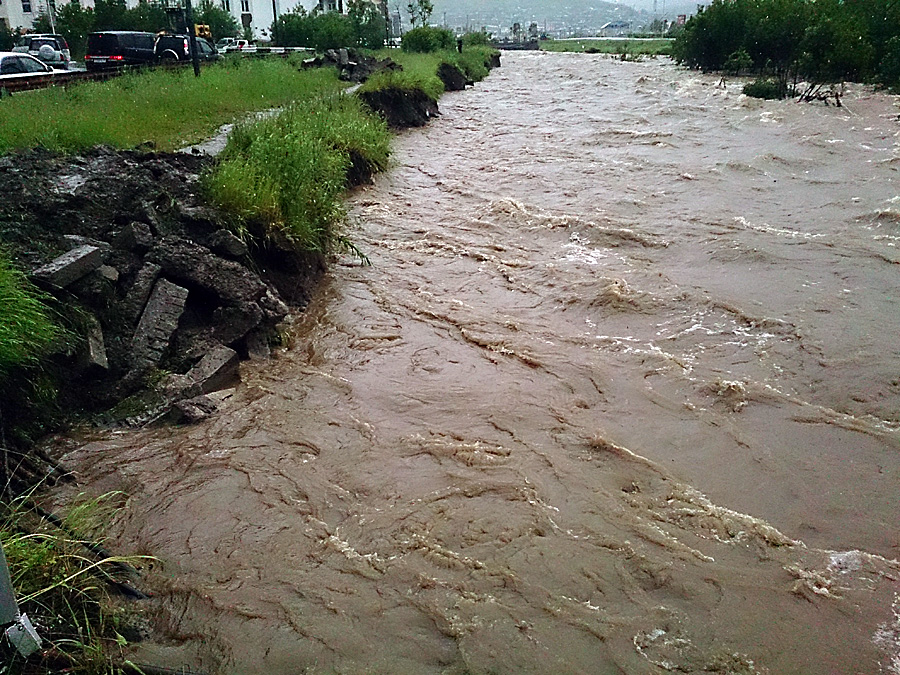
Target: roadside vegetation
<point>69,587</point>
<point>630,48</point>
<point>164,108</point>
<point>362,26</point>
<point>783,42</point>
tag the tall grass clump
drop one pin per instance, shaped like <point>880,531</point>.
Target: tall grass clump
<point>287,173</point>
<point>62,581</point>
<point>167,107</point>
<point>419,72</point>
<point>26,327</point>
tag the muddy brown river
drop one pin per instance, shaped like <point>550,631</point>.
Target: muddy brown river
<point>620,393</point>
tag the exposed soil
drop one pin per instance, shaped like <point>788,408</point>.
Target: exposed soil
<point>145,213</point>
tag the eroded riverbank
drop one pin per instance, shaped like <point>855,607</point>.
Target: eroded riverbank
<point>582,263</point>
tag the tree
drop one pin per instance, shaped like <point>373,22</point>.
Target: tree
<point>109,14</point>
<point>144,17</point>
<point>368,23</point>
<point>74,22</point>
<point>7,37</point>
<point>419,12</point>
<point>221,23</point>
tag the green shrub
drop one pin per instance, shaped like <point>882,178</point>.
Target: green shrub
<point>427,39</point>
<point>477,39</point>
<point>889,71</point>
<point>738,62</point>
<point>26,329</point>
<point>287,173</point>
<point>767,89</point>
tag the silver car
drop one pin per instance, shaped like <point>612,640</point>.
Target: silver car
<point>51,49</point>
<point>16,67</point>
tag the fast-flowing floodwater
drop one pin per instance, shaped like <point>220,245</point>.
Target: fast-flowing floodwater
<point>620,393</point>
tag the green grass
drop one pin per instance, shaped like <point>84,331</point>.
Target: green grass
<point>420,70</point>
<point>657,47</point>
<point>289,172</point>
<point>26,327</point>
<point>168,107</point>
<point>60,585</point>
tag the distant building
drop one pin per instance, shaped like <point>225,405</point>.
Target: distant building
<point>257,15</point>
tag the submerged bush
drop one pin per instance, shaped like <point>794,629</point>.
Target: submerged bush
<point>288,172</point>
<point>767,89</point>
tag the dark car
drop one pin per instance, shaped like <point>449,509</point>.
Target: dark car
<point>172,48</point>
<point>117,48</point>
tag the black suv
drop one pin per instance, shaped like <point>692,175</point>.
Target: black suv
<point>117,48</point>
<point>172,48</point>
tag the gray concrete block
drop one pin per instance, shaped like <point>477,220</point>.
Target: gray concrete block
<point>95,356</point>
<point>139,293</point>
<point>70,267</point>
<point>158,322</point>
<point>214,371</point>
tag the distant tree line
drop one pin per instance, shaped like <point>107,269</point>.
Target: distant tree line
<point>362,26</point>
<point>74,22</point>
<point>821,41</point>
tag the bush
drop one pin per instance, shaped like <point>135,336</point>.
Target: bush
<point>767,89</point>
<point>7,38</point>
<point>477,39</point>
<point>426,39</point>
<point>889,72</point>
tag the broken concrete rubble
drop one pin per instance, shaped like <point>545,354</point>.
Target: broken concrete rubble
<point>70,267</point>
<point>158,323</point>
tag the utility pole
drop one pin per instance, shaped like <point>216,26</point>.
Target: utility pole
<point>274,23</point>
<point>192,32</point>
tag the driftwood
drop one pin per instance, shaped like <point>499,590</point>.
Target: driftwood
<point>822,92</point>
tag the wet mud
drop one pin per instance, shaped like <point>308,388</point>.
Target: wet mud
<point>619,394</point>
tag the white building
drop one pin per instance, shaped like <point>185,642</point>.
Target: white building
<point>258,15</point>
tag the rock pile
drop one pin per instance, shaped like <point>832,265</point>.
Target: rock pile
<point>352,65</point>
<point>149,279</point>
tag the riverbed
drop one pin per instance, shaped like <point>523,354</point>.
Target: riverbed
<point>619,393</point>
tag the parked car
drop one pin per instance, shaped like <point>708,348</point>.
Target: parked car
<point>49,48</point>
<point>16,67</point>
<point>235,45</point>
<point>172,48</point>
<point>117,48</point>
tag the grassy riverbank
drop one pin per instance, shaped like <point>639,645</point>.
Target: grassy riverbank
<point>650,47</point>
<point>168,108</point>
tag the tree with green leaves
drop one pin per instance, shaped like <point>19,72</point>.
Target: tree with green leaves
<point>74,22</point>
<point>368,23</point>
<point>221,23</point>
<point>419,12</point>
<point>109,14</point>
